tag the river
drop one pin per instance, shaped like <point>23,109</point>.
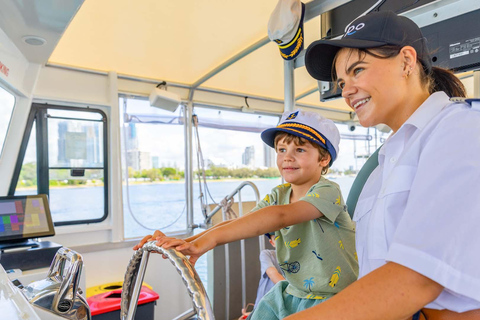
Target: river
<point>157,205</point>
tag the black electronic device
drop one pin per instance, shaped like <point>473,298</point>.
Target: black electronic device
<point>23,218</point>
<point>453,43</point>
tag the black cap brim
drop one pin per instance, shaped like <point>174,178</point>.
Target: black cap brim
<point>321,53</point>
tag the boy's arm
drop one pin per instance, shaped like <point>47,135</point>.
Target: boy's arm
<point>265,220</point>
<point>158,233</point>
<point>274,275</point>
<point>190,239</point>
<point>389,292</point>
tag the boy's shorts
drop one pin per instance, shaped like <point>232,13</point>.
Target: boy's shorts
<point>277,304</point>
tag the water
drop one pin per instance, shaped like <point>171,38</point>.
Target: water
<point>157,205</point>
<point>162,206</point>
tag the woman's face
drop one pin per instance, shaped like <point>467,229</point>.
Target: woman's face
<point>372,87</point>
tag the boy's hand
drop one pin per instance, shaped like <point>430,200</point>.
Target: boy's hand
<point>148,238</point>
<point>194,249</point>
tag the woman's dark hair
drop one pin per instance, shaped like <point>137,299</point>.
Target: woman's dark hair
<point>437,79</point>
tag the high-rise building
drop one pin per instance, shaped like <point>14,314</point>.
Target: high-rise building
<point>78,142</point>
<point>132,139</point>
<point>155,162</point>
<point>270,158</point>
<point>62,132</point>
<point>139,160</point>
<point>94,156</point>
<point>248,157</point>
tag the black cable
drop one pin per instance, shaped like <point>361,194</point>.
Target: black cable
<point>246,102</point>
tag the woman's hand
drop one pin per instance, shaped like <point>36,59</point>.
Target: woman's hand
<point>148,238</point>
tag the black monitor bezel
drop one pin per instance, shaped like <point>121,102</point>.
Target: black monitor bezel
<point>51,230</point>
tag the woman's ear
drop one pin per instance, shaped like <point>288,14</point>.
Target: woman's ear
<point>409,59</point>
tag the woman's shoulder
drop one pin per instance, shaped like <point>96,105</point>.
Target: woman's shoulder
<point>459,114</point>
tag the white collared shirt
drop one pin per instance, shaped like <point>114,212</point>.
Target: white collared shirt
<point>421,206</point>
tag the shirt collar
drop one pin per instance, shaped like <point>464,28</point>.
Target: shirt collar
<point>420,118</point>
<point>427,110</point>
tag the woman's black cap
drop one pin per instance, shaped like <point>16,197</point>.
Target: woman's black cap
<point>373,30</point>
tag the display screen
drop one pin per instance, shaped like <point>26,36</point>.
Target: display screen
<point>25,217</point>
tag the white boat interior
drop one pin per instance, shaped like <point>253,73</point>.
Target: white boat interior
<point>78,79</point>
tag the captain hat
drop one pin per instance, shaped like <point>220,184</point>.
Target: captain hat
<point>285,27</point>
<point>308,125</point>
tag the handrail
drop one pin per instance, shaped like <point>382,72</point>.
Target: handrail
<point>231,195</point>
<point>242,244</point>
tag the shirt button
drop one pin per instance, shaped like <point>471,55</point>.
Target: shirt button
<point>393,159</point>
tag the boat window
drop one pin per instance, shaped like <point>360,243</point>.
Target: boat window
<point>355,149</point>
<point>7,102</point>
<point>27,181</point>
<point>238,156</point>
<point>153,160</point>
<point>76,165</point>
<point>64,156</point>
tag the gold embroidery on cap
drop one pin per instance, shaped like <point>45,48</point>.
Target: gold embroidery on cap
<point>301,126</point>
<point>294,51</point>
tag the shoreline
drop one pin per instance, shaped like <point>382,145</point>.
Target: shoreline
<point>152,182</point>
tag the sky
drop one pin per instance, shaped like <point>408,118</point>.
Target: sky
<point>225,147</point>
<point>221,147</point>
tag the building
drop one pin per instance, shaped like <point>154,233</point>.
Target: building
<point>155,162</point>
<point>80,143</point>
<point>139,160</point>
<point>248,157</point>
<point>270,158</point>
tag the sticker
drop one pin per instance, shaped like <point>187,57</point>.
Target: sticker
<point>465,47</point>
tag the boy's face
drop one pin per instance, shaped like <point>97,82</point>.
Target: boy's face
<point>299,165</point>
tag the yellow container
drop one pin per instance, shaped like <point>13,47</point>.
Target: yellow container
<point>108,287</point>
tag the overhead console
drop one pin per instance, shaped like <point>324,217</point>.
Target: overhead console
<point>453,40</point>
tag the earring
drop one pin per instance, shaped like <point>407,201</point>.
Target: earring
<point>408,73</point>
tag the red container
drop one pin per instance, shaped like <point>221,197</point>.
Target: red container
<point>105,306</point>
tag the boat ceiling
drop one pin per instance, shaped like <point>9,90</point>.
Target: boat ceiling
<point>181,42</point>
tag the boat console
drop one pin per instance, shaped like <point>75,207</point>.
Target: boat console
<point>58,296</point>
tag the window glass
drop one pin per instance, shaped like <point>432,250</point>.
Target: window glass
<point>70,114</point>
<point>237,156</point>
<point>153,159</point>
<point>7,102</point>
<point>27,181</point>
<point>74,198</point>
<point>76,165</point>
<point>355,149</point>
<point>75,143</point>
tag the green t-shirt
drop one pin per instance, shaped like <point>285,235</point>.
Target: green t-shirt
<point>317,257</point>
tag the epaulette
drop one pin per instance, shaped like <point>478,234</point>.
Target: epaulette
<point>473,103</point>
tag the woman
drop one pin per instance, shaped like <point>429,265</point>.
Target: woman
<point>418,214</point>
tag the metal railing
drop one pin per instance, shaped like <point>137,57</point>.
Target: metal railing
<point>242,242</point>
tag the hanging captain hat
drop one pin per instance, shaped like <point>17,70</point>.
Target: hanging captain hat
<point>285,27</point>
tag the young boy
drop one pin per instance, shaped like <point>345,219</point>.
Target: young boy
<point>270,272</point>
<point>313,231</point>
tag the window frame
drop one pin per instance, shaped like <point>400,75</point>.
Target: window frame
<point>123,100</point>
<point>38,114</point>
<point>2,147</point>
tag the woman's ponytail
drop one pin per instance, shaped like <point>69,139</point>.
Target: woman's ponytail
<point>444,80</point>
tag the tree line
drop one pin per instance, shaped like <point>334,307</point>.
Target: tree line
<point>213,172</point>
